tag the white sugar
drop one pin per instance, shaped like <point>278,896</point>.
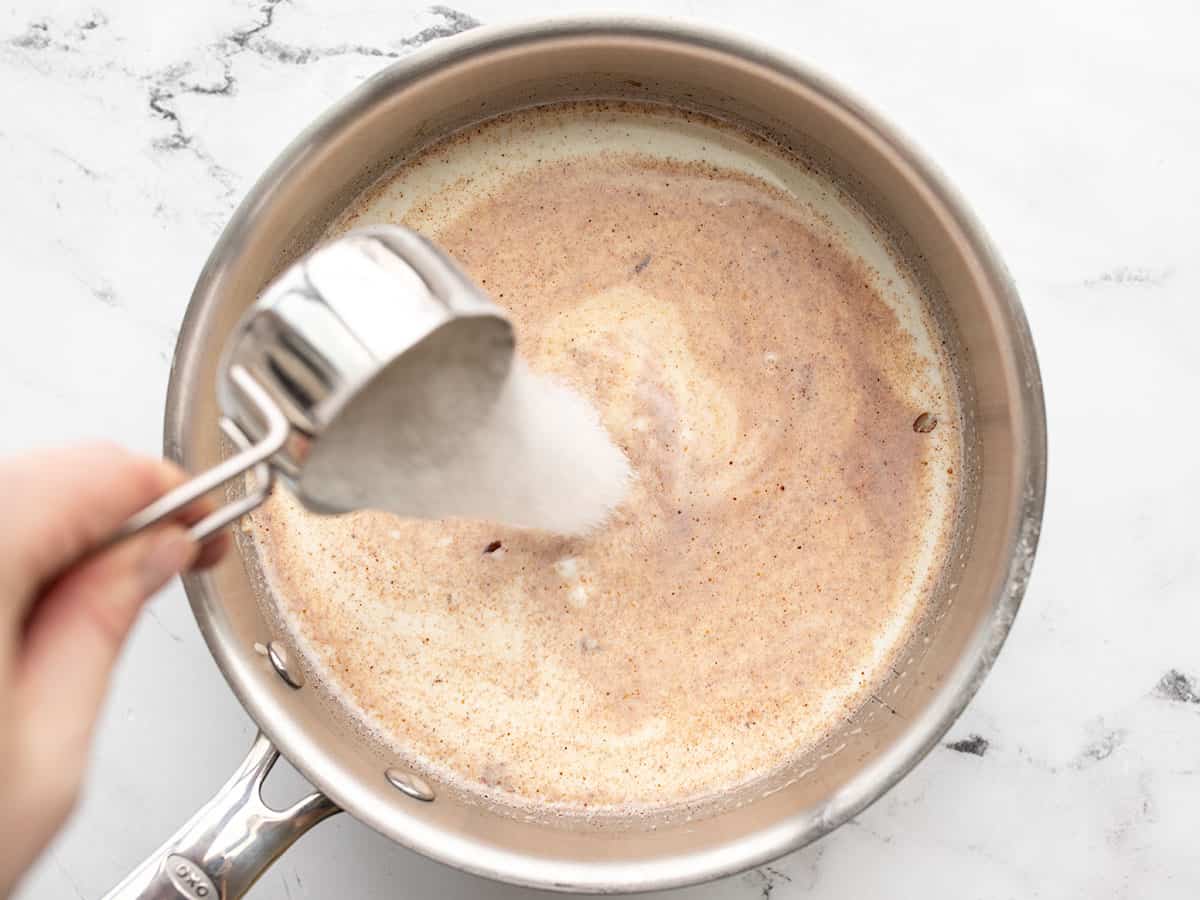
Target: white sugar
<point>433,440</point>
<point>542,459</point>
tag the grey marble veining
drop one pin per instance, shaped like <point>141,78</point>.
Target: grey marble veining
<point>131,131</point>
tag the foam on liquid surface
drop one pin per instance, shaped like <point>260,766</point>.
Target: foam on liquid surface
<point>785,523</point>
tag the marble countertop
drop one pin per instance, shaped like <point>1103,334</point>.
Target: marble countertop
<point>130,130</point>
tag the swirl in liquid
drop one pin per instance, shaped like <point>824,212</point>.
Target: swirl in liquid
<point>786,524</point>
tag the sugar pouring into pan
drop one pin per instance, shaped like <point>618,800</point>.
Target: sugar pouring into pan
<point>374,374</point>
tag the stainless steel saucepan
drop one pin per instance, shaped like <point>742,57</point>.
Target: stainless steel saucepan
<point>454,84</point>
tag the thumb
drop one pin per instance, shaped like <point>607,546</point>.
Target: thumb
<point>75,633</point>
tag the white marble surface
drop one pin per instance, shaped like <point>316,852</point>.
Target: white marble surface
<point>130,130</point>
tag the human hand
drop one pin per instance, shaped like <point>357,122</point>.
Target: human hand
<point>64,614</point>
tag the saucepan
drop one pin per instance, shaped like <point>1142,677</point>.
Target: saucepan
<point>455,84</point>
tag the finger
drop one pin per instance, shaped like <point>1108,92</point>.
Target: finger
<point>212,551</point>
<point>76,632</point>
<point>62,503</point>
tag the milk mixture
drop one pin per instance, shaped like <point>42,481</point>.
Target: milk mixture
<point>786,520</point>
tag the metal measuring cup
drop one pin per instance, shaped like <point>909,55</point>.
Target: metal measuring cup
<point>380,321</point>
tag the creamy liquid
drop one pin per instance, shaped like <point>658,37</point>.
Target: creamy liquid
<point>786,523</point>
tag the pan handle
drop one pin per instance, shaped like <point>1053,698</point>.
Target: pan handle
<point>229,843</point>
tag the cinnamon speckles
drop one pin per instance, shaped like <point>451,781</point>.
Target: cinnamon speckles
<point>698,641</point>
<point>925,423</point>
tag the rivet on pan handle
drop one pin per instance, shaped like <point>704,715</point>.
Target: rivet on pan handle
<point>229,843</point>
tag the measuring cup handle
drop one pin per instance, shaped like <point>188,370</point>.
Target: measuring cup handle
<point>248,456</point>
<point>229,843</point>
